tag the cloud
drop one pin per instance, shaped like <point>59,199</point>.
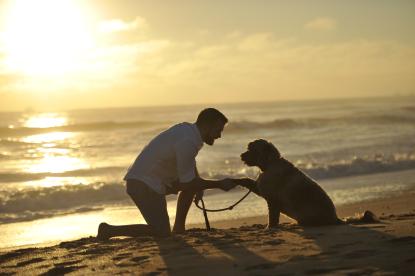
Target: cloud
<point>118,25</point>
<point>121,49</point>
<point>262,66</point>
<point>234,67</point>
<point>321,24</point>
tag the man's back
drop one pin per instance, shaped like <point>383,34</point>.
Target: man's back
<point>168,157</point>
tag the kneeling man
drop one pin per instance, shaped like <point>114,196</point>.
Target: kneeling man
<point>167,165</point>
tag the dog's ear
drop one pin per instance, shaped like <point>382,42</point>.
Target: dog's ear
<point>274,152</point>
<point>268,153</point>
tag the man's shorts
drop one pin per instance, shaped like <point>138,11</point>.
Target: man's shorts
<point>152,206</point>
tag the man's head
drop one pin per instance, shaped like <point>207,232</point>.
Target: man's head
<point>211,123</point>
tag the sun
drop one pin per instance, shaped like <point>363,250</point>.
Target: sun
<point>46,37</point>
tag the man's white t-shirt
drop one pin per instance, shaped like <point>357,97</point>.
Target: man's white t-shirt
<point>169,157</point>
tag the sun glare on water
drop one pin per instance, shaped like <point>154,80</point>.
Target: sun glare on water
<point>52,158</point>
<point>57,164</point>
<point>45,120</point>
<point>45,37</point>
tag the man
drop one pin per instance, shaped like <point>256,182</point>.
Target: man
<point>167,165</point>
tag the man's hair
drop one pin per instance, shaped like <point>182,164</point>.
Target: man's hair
<point>209,116</point>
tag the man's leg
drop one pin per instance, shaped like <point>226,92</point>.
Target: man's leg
<point>183,205</point>
<point>106,231</point>
<point>152,206</point>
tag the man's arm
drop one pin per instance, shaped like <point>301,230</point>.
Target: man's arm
<point>199,184</point>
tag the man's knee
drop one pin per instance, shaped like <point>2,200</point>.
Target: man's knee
<point>134,187</point>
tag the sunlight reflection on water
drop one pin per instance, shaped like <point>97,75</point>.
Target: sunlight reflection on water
<point>48,137</point>
<point>53,159</point>
<point>45,120</point>
<point>58,181</point>
<point>57,164</point>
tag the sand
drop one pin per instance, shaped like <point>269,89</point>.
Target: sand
<point>243,247</point>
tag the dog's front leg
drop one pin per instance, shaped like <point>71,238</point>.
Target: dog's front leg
<point>273,215</point>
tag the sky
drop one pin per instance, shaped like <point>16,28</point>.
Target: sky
<point>59,55</point>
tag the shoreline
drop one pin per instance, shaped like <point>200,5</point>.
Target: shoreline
<point>392,205</point>
<point>380,206</point>
<point>243,247</point>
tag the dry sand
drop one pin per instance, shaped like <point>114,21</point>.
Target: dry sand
<point>245,249</point>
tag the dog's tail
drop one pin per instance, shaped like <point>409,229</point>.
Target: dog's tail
<point>366,217</point>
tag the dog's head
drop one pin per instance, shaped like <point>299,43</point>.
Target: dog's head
<point>260,153</point>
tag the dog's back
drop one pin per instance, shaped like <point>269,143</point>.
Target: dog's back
<point>299,196</point>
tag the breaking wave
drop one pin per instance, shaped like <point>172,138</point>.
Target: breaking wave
<point>359,166</point>
<point>318,122</point>
<point>40,202</point>
<point>233,126</point>
<point>44,201</point>
<point>21,131</point>
<point>60,197</point>
<point>22,177</point>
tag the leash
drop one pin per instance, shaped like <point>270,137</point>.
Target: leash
<point>205,210</point>
<point>204,214</point>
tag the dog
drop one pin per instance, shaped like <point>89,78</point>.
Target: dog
<point>288,190</point>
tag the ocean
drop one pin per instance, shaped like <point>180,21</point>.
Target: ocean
<point>61,172</point>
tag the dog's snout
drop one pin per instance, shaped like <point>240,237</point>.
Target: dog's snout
<point>244,156</point>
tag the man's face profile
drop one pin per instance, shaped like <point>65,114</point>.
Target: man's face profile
<point>214,133</point>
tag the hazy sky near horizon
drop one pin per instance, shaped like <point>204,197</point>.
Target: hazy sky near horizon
<point>100,53</point>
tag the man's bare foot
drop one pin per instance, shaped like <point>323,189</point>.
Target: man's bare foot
<point>103,232</point>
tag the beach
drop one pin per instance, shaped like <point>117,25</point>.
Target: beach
<point>116,115</point>
<point>243,247</point>
<point>61,175</point>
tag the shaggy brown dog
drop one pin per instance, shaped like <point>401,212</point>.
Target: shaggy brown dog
<point>288,190</point>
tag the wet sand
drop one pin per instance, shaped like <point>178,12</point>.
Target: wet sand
<point>243,247</point>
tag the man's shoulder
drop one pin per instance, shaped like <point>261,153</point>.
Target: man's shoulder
<point>182,126</point>
<point>182,134</point>
<point>182,129</point>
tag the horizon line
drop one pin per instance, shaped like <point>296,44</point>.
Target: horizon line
<point>32,109</point>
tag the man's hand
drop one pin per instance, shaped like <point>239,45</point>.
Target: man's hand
<point>227,184</point>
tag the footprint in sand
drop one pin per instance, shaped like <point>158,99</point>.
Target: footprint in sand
<point>325,270</point>
<point>95,251</point>
<point>121,256</point>
<point>16,253</point>
<point>342,245</point>
<point>360,254</point>
<point>341,271</point>
<point>31,261</point>
<point>153,273</point>
<point>77,243</point>
<point>274,242</point>
<point>260,266</point>
<point>133,261</point>
<point>124,264</point>
<point>5,257</point>
<point>60,270</point>
<point>140,259</point>
<point>403,239</point>
<point>68,263</point>
<point>328,253</point>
